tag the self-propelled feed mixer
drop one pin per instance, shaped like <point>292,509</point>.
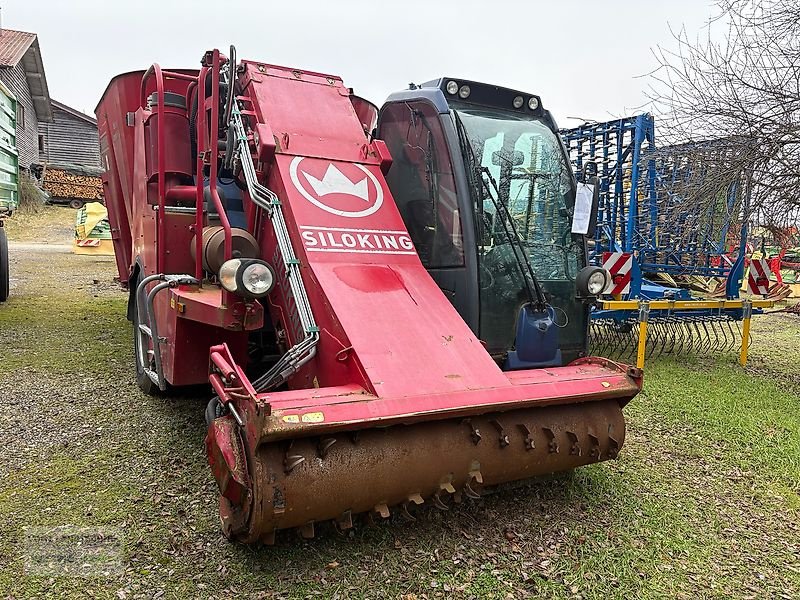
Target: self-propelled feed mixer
<point>390,306</point>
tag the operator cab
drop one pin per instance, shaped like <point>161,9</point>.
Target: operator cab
<point>483,183</point>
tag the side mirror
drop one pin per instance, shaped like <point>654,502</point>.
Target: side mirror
<point>514,158</point>
<point>589,175</point>
<point>595,205</point>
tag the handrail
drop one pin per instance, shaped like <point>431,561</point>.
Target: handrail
<point>155,69</point>
<point>213,148</point>
<point>200,131</point>
<point>197,82</point>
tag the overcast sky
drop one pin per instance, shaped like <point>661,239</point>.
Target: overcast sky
<point>584,57</point>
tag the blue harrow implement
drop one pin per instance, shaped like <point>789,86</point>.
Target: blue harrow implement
<point>671,225</point>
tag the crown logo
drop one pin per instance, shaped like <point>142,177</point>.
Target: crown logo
<point>336,182</point>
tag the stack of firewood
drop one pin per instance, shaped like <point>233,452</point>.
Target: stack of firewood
<point>63,184</point>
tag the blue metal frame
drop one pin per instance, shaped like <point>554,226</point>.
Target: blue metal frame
<point>639,211</point>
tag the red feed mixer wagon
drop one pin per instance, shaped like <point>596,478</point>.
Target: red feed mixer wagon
<point>390,306</point>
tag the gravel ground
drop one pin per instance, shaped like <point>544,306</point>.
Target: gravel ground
<point>105,492</point>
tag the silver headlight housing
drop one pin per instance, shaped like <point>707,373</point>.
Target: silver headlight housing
<point>592,281</point>
<point>247,277</point>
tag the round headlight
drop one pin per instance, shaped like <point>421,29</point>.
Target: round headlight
<point>228,272</point>
<point>248,277</point>
<point>533,103</point>
<point>596,283</point>
<point>463,92</point>
<point>452,87</point>
<point>258,279</point>
<point>592,281</point>
<point>519,101</point>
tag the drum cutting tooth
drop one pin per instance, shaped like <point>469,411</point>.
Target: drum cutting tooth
<point>412,499</point>
<point>345,521</point>
<point>529,443</point>
<point>324,446</point>
<point>382,510</point>
<point>595,451</point>
<point>552,443</point>
<point>406,513</point>
<point>307,530</point>
<point>291,461</point>
<point>470,493</point>
<point>475,433</point>
<point>613,447</point>
<point>500,432</point>
<point>575,447</point>
<point>446,489</point>
<point>474,476</point>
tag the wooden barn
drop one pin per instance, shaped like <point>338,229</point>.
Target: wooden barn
<point>69,155</point>
<point>69,139</point>
<point>22,72</point>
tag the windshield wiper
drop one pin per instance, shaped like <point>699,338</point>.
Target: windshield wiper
<point>514,238</point>
<point>476,169</point>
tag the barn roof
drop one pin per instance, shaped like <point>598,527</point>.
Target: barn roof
<point>22,46</point>
<point>73,112</point>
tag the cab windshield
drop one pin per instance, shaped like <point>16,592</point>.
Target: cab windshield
<point>524,195</point>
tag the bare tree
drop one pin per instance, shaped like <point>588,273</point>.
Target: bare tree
<point>740,85</point>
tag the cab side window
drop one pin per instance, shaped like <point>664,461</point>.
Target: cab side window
<point>421,181</point>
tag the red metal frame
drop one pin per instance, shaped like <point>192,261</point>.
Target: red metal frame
<point>156,71</point>
<point>386,332</point>
<point>153,241</point>
<point>392,348</point>
<point>211,103</point>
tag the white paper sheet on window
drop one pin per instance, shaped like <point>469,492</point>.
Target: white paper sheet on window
<point>583,208</point>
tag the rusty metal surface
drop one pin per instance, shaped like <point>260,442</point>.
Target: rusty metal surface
<point>299,482</point>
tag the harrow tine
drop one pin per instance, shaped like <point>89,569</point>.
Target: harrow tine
<point>706,338</point>
<point>667,333</point>
<point>715,328</point>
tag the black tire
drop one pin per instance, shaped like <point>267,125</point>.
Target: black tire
<point>213,411</point>
<point>4,273</point>
<point>76,204</point>
<point>142,379</point>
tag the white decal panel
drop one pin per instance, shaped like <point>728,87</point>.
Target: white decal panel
<point>347,190</point>
<point>356,241</point>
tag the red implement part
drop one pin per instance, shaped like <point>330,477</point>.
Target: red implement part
<point>399,402</point>
<point>393,354</point>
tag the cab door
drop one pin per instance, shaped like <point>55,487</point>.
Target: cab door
<point>425,187</point>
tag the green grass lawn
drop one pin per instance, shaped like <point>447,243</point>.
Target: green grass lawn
<point>703,502</point>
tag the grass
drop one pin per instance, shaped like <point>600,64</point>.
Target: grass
<point>46,223</point>
<point>702,503</point>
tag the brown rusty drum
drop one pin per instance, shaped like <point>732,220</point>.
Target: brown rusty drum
<point>297,483</point>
